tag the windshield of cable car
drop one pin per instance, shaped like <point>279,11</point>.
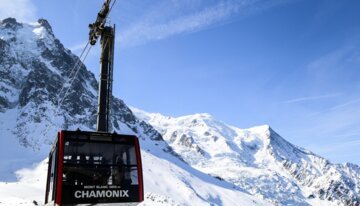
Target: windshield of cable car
<point>99,172</point>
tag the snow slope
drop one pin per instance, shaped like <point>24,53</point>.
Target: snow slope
<point>28,188</point>
<point>35,73</point>
<point>258,160</point>
<point>168,181</point>
<point>190,160</point>
<point>36,70</point>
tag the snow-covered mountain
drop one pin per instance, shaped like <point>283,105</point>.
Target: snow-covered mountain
<point>258,160</point>
<point>191,160</point>
<point>36,71</point>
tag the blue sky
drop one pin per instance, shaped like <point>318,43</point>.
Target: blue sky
<point>294,65</point>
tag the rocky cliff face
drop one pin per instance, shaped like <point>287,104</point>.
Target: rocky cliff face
<point>36,72</point>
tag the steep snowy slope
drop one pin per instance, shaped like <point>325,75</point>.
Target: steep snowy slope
<point>35,73</point>
<point>258,160</point>
<point>168,181</point>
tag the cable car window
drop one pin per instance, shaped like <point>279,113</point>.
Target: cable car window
<point>99,172</point>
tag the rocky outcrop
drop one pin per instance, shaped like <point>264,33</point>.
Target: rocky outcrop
<point>37,79</point>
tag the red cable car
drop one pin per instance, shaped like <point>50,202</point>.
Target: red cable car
<point>94,168</point>
<point>88,168</point>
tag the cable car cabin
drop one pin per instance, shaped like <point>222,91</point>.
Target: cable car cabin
<point>94,168</point>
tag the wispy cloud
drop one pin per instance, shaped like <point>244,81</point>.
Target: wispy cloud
<point>348,147</point>
<point>177,17</point>
<point>338,66</point>
<point>338,107</point>
<point>78,47</point>
<point>309,98</point>
<point>354,133</point>
<point>333,125</point>
<point>22,10</point>
<point>337,123</point>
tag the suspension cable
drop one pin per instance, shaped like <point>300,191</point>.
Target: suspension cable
<point>77,64</point>
<point>111,7</point>
<point>74,70</point>
<point>71,80</point>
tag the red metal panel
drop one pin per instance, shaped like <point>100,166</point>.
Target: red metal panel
<point>60,168</point>
<point>48,181</point>
<point>139,168</point>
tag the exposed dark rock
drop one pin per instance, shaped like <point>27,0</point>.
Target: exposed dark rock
<point>11,23</point>
<point>41,81</point>
<point>46,25</point>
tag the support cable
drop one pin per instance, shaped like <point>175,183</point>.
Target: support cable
<point>73,72</point>
<point>75,68</point>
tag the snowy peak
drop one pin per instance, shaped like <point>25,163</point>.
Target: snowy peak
<point>203,132</point>
<point>46,88</point>
<point>258,160</point>
<point>36,73</point>
<point>28,37</point>
<point>10,23</point>
<point>45,24</point>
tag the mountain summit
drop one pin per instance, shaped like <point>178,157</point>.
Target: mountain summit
<point>37,74</point>
<point>40,94</point>
<point>258,161</point>
<point>190,160</point>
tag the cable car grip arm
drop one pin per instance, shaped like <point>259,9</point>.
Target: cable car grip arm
<point>97,27</point>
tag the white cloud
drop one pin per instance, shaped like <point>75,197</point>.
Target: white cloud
<point>22,10</point>
<point>309,98</point>
<point>166,19</point>
<point>338,122</point>
<point>352,104</point>
<point>338,65</point>
<point>338,147</point>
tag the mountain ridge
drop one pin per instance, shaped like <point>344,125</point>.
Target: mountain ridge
<point>44,70</point>
<point>34,67</point>
<point>235,165</point>
<point>287,174</point>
